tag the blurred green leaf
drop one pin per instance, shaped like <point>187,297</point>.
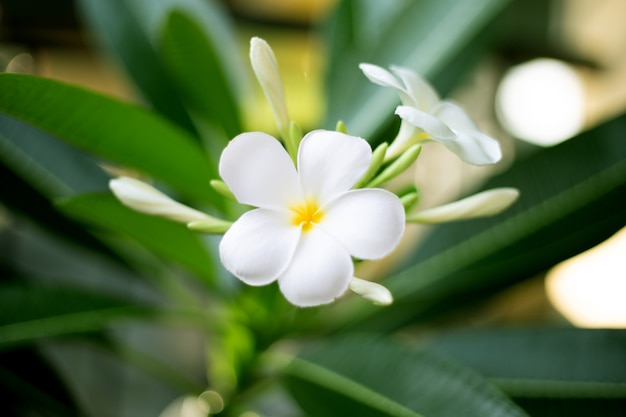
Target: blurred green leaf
<point>423,35</point>
<point>34,312</point>
<point>199,74</point>
<point>572,198</point>
<point>54,168</point>
<point>118,30</point>
<point>166,238</point>
<point>116,131</point>
<point>358,376</point>
<point>551,371</point>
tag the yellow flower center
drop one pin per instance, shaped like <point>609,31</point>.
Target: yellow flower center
<point>306,215</point>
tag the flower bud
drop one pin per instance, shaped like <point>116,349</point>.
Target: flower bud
<point>266,71</point>
<point>484,204</point>
<point>372,291</point>
<point>146,199</point>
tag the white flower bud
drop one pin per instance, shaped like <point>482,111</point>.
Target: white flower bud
<point>266,71</point>
<point>146,199</point>
<point>372,291</point>
<point>484,204</point>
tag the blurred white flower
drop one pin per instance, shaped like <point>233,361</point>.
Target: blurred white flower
<point>425,117</point>
<point>484,204</point>
<point>308,223</point>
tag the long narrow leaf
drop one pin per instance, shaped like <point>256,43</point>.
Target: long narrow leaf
<point>168,239</point>
<point>119,31</point>
<point>113,130</point>
<point>375,377</point>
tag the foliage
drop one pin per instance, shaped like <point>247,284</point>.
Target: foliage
<point>144,304</point>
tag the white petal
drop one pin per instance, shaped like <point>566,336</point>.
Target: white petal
<point>425,121</point>
<point>372,291</point>
<point>265,68</point>
<point>454,116</point>
<point>380,76</point>
<point>320,271</point>
<point>258,246</point>
<point>368,222</point>
<point>145,198</point>
<point>259,172</point>
<point>331,162</point>
<point>475,148</point>
<point>423,94</point>
<point>484,204</point>
<point>471,145</point>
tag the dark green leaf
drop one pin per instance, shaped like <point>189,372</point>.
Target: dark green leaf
<point>551,371</point>
<point>374,377</point>
<point>116,131</point>
<point>34,312</point>
<point>572,198</point>
<point>120,30</point>
<point>166,238</point>
<point>200,75</point>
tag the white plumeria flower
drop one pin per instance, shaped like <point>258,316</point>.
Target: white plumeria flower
<point>484,204</point>
<point>308,223</point>
<point>145,198</point>
<point>424,116</point>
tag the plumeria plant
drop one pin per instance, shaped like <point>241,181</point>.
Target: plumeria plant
<point>316,211</point>
<point>169,257</point>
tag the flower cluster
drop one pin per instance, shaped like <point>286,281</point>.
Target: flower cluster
<point>315,204</point>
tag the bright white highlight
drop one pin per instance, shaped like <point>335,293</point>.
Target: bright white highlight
<point>542,102</point>
<point>590,289</point>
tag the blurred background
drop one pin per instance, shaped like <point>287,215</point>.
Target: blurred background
<point>539,73</point>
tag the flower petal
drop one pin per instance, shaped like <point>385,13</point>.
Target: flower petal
<point>425,121</point>
<point>320,271</point>
<point>381,76</point>
<point>331,162</point>
<point>484,204</point>
<point>258,246</point>
<point>424,95</point>
<point>259,172</point>
<point>368,222</point>
<point>471,145</point>
<point>145,198</point>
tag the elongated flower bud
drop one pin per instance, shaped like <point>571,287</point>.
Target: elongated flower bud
<point>372,291</point>
<point>266,71</point>
<point>484,204</point>
<point>146,199</point>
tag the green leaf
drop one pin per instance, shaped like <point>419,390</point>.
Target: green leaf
<point>165,238</point>
<point>560,369</point>
<point>34,312</point>
<point>119,132</point>
<point>199,73</point>
<point>423,35</point>
<point>572,198</point>
<point>119,31</point>
<point>376,377</point>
